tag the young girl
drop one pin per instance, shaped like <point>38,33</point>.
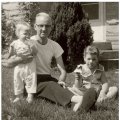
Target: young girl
<point>23,73</point>
<point>92,74</point>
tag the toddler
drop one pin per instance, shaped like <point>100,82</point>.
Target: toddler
<point>24,74</point>
<point>92,74</point>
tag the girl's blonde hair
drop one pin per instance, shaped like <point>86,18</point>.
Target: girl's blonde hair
<point>20,26</point>
<point>91,50</point>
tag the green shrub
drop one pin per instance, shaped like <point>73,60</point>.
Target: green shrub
<point>71,30</point>
<point>8,31</point>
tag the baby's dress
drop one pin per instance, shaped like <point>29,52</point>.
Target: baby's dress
<point>24,74</point>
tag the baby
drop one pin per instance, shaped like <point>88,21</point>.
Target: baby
<point>23,73</point>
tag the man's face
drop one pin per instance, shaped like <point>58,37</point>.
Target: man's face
<point>43,26</point>
<point>91,60</point>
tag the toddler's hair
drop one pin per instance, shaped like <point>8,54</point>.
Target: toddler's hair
<point>20,26</point>
<point>91,50</point>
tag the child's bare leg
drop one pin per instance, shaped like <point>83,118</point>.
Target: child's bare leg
<point>18,98</point>
<point>75,91</point>
<point>98,89</point>
<point>78,101</point>
<point>86,101</point>
<point>112,92</point>
<point>30,98</point>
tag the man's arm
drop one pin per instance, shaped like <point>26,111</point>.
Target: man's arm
<point>10,53</point>
<point>18,60</point>
<point>32,47</point>
<point>61,67</point>
<point>15,60</point>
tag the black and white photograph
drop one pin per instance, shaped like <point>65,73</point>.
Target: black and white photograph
<point>60,60</point>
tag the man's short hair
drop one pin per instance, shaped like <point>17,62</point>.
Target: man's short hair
<point>43,14</point>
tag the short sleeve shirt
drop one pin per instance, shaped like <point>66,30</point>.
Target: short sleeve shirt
<point>45,54</point>
<point>98,77</point>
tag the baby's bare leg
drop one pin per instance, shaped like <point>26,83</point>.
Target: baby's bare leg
<point>30,98</point>
<point>86,101</point>
<point>78,101</point>
<point>75,90</point>
<point>18,98</point>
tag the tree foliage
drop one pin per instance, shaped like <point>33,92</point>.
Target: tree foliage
<point>33,8</point>
<point>28,9</point>
<point>8,30</point>
<point>3,28</point>
<point>71,30</point>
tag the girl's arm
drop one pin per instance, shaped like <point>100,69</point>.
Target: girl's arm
<point>77,84</point>
<point>102,95</point>
<point>105,87</point>
<point>78,80</point>
<point>104,83</point>
<point>78,77</point>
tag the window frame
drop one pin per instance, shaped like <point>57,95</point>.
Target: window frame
<point>100,12</point>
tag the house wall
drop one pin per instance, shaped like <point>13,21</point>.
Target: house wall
<point>107,27</point>
<point>112,10</point>
<point>112,24</point>
<point>98,25</point>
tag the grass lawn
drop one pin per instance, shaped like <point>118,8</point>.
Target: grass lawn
<point>43,110</point>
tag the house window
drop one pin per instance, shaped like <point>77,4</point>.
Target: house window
<point>92,9</point>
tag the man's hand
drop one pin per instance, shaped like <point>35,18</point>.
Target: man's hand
<point>27,59</point>
<point>62,84</point>
<point>34,50</point>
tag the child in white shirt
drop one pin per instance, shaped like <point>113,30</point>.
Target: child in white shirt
<point>23,73</point>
